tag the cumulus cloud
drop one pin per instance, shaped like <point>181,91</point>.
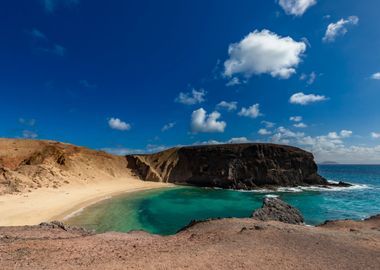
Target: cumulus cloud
<point>264,132</point>
<point>303,99</point>
<point>51,5</point>
<point>116,123</point>
<point>296,7</point>
<point>375,135</point>
<point>195,97</point>
<point>328,147</point>
<point>264,52</point>
<point>252,111</point>
<point>284,135</point>
<point>229,106</point>
<point>168,126</point>
<point>375,76</point>
<point>339,28</point>
<point>203,122</point>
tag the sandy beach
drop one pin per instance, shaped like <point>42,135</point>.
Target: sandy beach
<point>48,204</point>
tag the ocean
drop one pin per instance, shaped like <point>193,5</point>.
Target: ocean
<point>165,211</point>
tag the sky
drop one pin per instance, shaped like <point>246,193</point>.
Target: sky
<point>142,76</point>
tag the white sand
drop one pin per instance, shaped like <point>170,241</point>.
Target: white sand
<point>55,204</point>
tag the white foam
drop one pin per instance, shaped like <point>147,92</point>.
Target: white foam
<point>271,196</point>
<point>304,188</point>
<point>77,212</point>
<point>73,214</point>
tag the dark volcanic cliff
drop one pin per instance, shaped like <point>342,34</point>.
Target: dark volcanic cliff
<point>236,166</point>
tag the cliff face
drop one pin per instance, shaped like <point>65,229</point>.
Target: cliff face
<point>236,166</point>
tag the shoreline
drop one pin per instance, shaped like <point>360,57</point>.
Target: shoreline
<point>47,204</point>
<point>81,206</point>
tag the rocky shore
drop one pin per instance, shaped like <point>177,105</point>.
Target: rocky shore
<point>248,243</point>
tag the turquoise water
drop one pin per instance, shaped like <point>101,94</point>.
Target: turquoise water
<point>165,211</point>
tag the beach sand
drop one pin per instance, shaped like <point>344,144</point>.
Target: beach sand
<point>46,204</point>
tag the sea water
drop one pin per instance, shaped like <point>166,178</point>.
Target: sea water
<point>165,211</point>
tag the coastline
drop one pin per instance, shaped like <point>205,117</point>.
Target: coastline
<point>47,204</point>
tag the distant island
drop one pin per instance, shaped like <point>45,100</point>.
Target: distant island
<point>329,163</point>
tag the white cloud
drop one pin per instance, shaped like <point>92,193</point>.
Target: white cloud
<point>309,78</point>
<point>346,133</point>
<point>264,131</point>
<point>29,134</point>
<point>284,135</point>
<point>51,5</point>
<point>116,123</point>
<point>195,97</point>
<point>230,141</point>
<point>264,52</point>
<point>234,81</point>
<point>375,135</point>
<point>296,7</point>
<point>268,124</point>
<point>339,28</point>
<point>122,151</point>
<point>300,125</point>
<point>253,111</point>
<point>376,76</point>
<point>201,122</point>
<point>239,140</point>
<point>302,99</point>
<point>168,126</point>
<point>229,106</point>
<point>296,118</point>
<point>329,147</point>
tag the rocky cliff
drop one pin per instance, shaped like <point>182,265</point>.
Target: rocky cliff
<point>236,166</point>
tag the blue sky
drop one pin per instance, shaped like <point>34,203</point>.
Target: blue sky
<point>140,76</point>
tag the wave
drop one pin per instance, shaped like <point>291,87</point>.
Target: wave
<point>307,188</point>
<point>271,196</point>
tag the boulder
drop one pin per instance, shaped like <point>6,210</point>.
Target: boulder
<point>278,210</point>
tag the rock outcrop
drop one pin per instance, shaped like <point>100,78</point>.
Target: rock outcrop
<point>278,210</point>
<point>234,166</point>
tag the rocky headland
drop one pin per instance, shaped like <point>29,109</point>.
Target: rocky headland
<point>232,166</point>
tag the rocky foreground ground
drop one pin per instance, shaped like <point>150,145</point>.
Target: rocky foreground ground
<point>215,244</point>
